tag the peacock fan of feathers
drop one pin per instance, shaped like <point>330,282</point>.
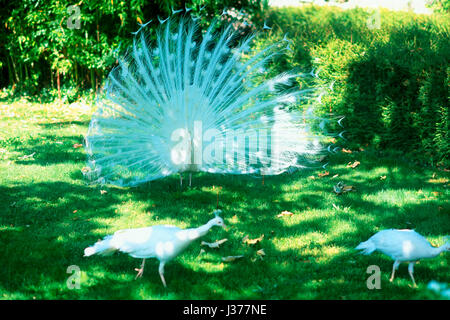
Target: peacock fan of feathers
<point>193,101</point>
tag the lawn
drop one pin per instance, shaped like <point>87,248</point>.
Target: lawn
<point>49,214</point>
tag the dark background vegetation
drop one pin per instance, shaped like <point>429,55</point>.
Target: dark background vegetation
<point>391,81</point>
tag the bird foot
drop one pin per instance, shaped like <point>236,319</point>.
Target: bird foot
<point>140,273</point>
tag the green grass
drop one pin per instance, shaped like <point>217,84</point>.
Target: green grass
<point>48,215</point>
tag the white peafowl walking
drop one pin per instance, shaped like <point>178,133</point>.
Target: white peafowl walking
<point>402,246</point>
<point>163,242</point>
<point>196,101</point>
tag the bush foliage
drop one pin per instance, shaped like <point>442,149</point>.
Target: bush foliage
<point>42,44</point>
<point>390,74</point>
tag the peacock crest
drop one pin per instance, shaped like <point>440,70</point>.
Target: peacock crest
<point>200,101</point>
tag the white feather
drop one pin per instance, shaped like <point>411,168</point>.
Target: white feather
<point>155,97</point>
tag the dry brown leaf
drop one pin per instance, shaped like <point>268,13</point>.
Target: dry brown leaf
<point>261,253</point>
<point>354,164</point>
<point>214,244</point>
<point>85,169</point>
<point>326,173</point>
<point>284,213</point>
<point>103,191</point>
<point>231,258</point>
<point>335,176</point>
<point>77,145</point>
<point>346,150</point>
<point>252,241</point>
<point>341,188</point>
<point>348,188</point>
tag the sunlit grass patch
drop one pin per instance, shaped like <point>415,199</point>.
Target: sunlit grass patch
<point>49,214</point>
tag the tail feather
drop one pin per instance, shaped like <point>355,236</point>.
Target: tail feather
<point>187,85</point>
<point>102,248</point>
<point>367,247</point>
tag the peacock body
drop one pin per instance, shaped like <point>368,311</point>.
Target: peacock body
<point>163,242</point>
<point>197,101</point>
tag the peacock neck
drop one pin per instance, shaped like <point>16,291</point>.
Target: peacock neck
<point>435,251</point>
<point>201,231</point>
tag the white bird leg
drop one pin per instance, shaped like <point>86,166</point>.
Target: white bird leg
<point>394,267</point>
<point>190,179</point>
<point>181,180</point>
<point>411,272</point>
<point>140,271</point>
<point>161,274</point>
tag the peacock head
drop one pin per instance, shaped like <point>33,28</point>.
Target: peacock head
<point>217,220</point>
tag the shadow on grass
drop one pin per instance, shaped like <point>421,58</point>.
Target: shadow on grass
<point>47,225</point>
<point>49,149</point>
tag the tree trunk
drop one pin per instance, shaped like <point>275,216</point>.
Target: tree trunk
<point>59,84</point>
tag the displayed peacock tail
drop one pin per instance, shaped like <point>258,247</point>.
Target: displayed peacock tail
<point>193,101</point>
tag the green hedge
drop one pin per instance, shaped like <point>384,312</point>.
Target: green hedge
<point>390,71</point>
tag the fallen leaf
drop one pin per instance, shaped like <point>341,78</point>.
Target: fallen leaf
<point>354,164</point>
<point>103,191</point>
<point>215,244</point>
<point>252,241</point>
<point>382,177</point>
<point>326,173</point>
<point>85,169</point>
<point>231,258</point>
<point>234,219</point>
<point>261,253</point>
<point>341,188</point>
<point>346,150</point>
<point>284,213</point>
<point>77,145</point>
<point>348,188</point>
<point>30,156</point>
<point>335,176</point>
<point>311,177</point>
